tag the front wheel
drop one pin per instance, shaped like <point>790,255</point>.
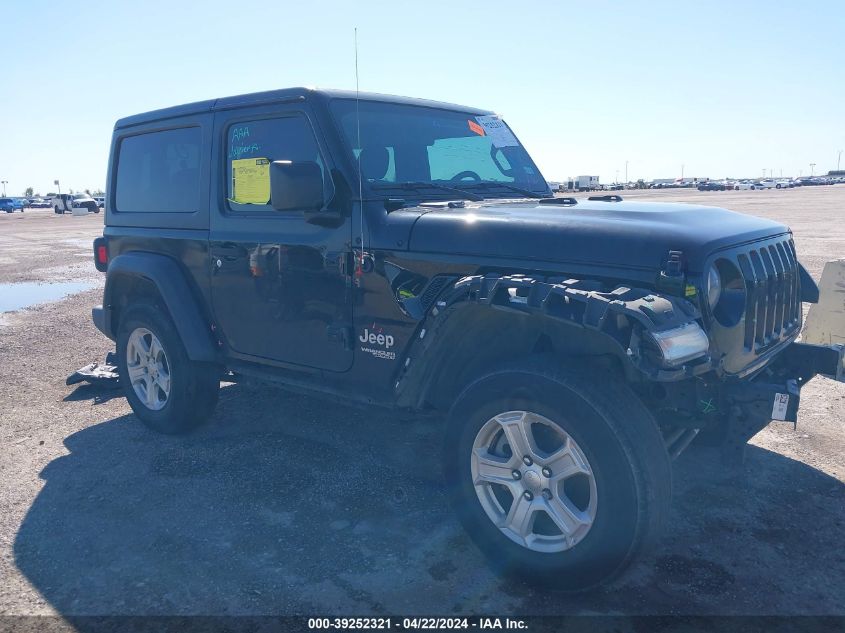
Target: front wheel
<point>560,479</point>
<point>168,391</point>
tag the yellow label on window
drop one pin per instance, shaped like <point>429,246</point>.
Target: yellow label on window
<point>251,181</point>
<point>690,290</point>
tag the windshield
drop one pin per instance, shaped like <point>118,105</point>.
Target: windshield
<point>417,145</point>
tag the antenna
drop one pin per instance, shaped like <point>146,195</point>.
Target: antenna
<point>360,268</point>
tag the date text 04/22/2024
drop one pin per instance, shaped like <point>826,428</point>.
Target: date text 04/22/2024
<point>417,623</point>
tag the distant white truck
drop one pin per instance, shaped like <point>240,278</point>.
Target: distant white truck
<point>77,204</point>
<point>581,183</point>
<point>587,183</point>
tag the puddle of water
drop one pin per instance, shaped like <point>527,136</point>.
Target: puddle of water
<point>24,295</point>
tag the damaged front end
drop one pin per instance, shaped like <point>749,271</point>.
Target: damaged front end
<point>663,350</point>
<point>657,335</point>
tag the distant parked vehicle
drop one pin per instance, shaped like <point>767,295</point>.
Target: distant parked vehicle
<point>61,203</point>
<point>78,203</point>
<point>39,203</point>
<point>83,203</point>
<point>101,201</point>
<point>7,205</point>
<point>744,185</point>
<point>783,184</point>
<point>711,186</point>
<point>766,184</point>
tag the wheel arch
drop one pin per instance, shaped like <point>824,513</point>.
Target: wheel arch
<point>157,278</point>
<point>473,339</point>
<point>483,321</point>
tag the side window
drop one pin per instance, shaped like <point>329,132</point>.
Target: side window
<point>159,172</point>
<point>250,148</point>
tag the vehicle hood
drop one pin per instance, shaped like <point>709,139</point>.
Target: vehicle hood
<point>619,234</point>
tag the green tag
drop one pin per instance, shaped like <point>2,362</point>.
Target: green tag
<point>689,291</point>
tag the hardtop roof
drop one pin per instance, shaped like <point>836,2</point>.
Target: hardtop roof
<point>285,94</point>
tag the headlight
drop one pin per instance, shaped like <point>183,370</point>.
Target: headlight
<point>681,344</point>
<point>714,286</point>
<point>730,306</point>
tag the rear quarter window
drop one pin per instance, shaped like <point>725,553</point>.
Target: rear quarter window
<point>159,172</point>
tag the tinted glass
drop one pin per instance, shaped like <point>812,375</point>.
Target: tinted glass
<point>253,145</point>
<point>159,172</point>
<point>407,143</point>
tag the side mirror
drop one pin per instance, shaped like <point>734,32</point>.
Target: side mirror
<point>296,186</point>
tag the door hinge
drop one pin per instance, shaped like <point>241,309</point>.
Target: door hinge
<point>342,263</point>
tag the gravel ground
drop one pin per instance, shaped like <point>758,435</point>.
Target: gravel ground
<point>285,504</point>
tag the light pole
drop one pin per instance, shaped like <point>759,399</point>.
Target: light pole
<point>4,187</point>
<point>682,172</point>
<point>812,168</point>
<point>616,181</point>
<point>838,159</point>
<point>626,169</point>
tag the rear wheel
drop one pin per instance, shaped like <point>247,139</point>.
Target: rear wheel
<point>168,391</point>
<point>559,479</point>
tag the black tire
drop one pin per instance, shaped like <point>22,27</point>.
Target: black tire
<point>194,386</point>
<point>619,438</point>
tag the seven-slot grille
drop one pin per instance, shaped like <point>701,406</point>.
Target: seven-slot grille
<point>773,307</point>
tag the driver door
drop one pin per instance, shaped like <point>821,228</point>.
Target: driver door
<point>280,290</point>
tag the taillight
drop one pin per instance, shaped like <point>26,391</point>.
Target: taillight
<point>101,254</point>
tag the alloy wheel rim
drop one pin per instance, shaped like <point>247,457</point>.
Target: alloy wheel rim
<point>533,481</point>
<point>148,369</point>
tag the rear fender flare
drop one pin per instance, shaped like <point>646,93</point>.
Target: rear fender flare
<point>176,293</point>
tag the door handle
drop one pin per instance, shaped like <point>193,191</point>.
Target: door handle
<point>229,251</point>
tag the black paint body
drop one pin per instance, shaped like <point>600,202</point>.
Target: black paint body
<point>292,299</point>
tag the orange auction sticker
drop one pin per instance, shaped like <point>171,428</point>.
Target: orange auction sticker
<point>476,128</point>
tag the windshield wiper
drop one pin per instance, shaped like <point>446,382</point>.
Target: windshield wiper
<point>489,184</point>
<point>414,185</point>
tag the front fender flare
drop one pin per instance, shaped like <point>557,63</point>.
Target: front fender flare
<point>621,317</point>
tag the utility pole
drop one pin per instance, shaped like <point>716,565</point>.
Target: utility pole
<point>812,168</point>
<point>4,187</point>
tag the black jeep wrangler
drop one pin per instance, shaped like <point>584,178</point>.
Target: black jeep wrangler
<point>409,253</point>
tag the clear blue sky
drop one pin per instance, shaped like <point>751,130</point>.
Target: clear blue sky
<point>725,88</point>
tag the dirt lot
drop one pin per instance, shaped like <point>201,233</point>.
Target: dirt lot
<point>284,504</point>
